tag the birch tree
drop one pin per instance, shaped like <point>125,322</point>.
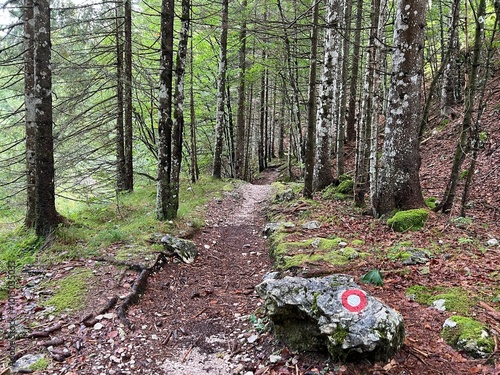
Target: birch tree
<point>398,183</point>
<point>323,175</point>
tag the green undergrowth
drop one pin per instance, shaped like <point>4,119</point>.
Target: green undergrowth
<point>70,292</point>
<point>334,251</point>
<point>456,299</point>
<point>128,224</point>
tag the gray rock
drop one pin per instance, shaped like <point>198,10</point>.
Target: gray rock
<point>416,257</point>
<point>184,249</point>
<point>285,196</point>
<point>331,313</point>
<point>311,225</point>
<point>492,242</point>
<point>270,228</point>
<point>24,363</point>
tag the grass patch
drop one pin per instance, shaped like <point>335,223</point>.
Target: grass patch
<point>70,291</point>
<point>456,299</point>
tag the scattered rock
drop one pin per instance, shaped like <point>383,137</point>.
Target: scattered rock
<point>439,304</point>
<point>331,313</point>
<point>270,228</point>
<point>415,257</point>
<point>23,364</point>
<point>285,196</point>
<point>184,249</point>
<point>311,225</point>
<point>492,242</point>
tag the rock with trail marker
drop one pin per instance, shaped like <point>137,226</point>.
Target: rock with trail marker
<point>331,313</point>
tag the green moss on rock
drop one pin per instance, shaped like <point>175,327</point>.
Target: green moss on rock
<point>414,220</point>
<point>468,335</point>
<point>346,187</point>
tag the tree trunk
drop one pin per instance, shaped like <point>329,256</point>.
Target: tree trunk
<point>128,129</point>
<point>221,91</point>
<point>450,74</point>
<point>240,114</point>
<point>29,105</point>
<point>194,169</point>
<point>323,175</point>
<point>311,106</point>
<point>262,120</point>
<point>178,127</point>
<point>398,185</point>
<point>361,175</point>
<point>163,191</point>
<point>46,217</point>
<point>464,143</point>
<point>356,58</point>
<point>120,141</point>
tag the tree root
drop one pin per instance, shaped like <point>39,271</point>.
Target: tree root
<point>139,287</point>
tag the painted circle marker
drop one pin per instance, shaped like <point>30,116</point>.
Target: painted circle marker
<point>354,300</point>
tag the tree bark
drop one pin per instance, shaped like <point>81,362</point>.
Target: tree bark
<point>311,106</point>
<point>240,115</point>
<point>29,104</point>
<point>221,92</point>
<point>356,58</point>
<point>178,127</point>
<point>128,128</point>
<point>120,142</point>
<point>46,216</point>
<point>398,184</point>
<point>163,186</point>
<point>464,143</point>
<point>323,175</point>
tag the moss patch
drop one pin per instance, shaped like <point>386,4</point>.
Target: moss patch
<point>468,335</point>
<point>294,254</point>
<point>70,292</point>
<point>456,299</point>
<point>40,365</point>
<point>414,220</point>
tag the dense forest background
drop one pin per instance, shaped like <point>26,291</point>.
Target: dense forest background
<point>121,94</point>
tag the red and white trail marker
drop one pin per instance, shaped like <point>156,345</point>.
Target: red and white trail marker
<point>354,300</point>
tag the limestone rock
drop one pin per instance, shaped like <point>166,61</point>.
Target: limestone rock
<point>331,313</point>
<point>184,249</point>
<point>23,364</point>
<point>311,225</point>
<point>270,228</point>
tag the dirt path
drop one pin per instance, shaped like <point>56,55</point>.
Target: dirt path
<point>196,319</point>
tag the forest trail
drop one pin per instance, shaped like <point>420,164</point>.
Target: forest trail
<point>195,319</point>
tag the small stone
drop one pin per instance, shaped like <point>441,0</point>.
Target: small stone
<point>273,358</point>
<point>343,244</point>
<point>311,225</point>
<point>492,242</point>
<point>109,316</point>
<point>439,304</point>
<point>448,323</point>
<point>239,369</point>
<point>206,247</point>
<point>98,326</point>
<point>114,359</point>
<point>252,339</point>
<point>24,363</point>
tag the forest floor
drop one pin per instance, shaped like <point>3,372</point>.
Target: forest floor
<point>205,317</point>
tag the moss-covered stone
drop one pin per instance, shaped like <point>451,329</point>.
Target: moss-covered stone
<point>456,299</point>
<point>431,202</point>
<point>468,335</point>
<point>40,365</point>
<point>345,187</point>
<point>414,220</point>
